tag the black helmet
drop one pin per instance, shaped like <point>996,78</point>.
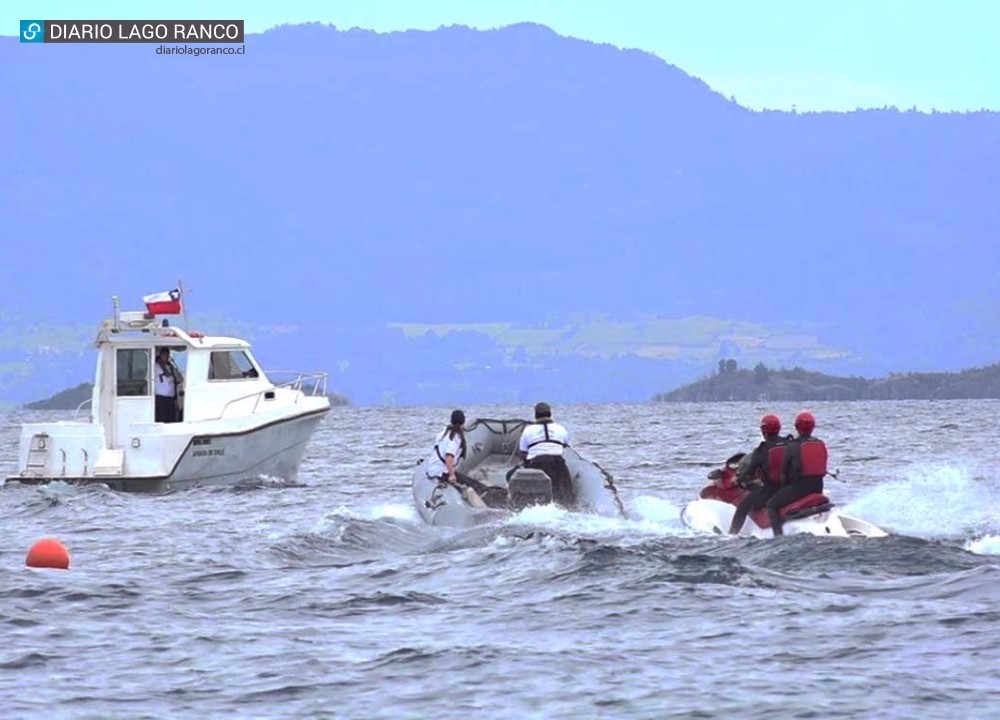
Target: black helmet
<point>542,410</point>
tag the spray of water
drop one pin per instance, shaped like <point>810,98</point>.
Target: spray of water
<point>989,545</point>
<point>933,502</point>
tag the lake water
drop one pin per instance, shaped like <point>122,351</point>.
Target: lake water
<point>329,598</point>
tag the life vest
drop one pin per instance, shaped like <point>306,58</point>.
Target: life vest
<point>548,439</point>
<point>166,379</point>
<point>437,450</point>
<point>813,458</point>
<point>775,456</point>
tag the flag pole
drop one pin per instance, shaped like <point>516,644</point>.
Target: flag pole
<point>184,307</point>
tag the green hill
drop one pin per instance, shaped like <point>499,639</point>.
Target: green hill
<point>69,399</point>
<point>797,384</point>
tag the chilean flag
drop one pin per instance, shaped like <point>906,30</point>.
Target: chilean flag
<point>164,303</point>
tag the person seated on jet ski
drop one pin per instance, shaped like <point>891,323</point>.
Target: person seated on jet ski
<point>449,448</point>
<point>802,469</point>
<point>541,447</point>
<point>761,474</point>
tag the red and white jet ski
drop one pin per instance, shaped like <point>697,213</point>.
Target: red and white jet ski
<point>813,515</point>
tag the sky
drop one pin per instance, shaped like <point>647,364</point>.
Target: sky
<point>781,54</point>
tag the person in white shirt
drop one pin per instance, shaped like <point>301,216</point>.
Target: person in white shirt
<point>542,444</point>
<point>449,450</point>
<point>167,382</point>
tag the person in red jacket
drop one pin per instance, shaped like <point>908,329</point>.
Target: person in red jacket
<point>765,466</point>
<point>802,469</point>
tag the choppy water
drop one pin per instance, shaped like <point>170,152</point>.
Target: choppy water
<point>331,599</point>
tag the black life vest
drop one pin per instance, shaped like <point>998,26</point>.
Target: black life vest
<point>548,439</point>
<point>814,458</point>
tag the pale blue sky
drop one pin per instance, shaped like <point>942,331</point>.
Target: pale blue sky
<point>813,54</point>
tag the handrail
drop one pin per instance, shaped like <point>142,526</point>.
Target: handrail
<point>317,388</point>
<point>80,407</point>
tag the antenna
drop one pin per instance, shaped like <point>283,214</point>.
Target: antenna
<point>114,303</point>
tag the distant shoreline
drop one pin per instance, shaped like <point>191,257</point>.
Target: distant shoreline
<point>764,384</point>
<point>733,384</point>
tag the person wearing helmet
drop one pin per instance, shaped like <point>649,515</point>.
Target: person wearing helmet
<point>541,446</point>
<point>450,449</point>
<point>802,469</point>
<point>763,470</point>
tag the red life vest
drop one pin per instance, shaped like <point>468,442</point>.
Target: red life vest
<point>775,454</point>
<point>813,458</point>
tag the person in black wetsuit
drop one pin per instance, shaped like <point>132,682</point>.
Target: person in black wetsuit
<point>802,469</point>
<point>763,470</point>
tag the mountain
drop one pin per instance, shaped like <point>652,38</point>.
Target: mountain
<point>345,184</point>
<point>797,384</point>
<point>69,399</point>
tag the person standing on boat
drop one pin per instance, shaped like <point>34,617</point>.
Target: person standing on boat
<point>802,469</point>
<point>542,444</point>
<point>168,382</point>
<point>763,470</point>
<point>449,449</point>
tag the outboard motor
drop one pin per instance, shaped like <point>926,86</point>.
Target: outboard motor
<point>529,486</point>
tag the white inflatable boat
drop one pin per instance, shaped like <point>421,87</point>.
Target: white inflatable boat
<point>491,453</point>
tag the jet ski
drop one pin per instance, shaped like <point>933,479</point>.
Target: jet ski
<point>814,514</point>
<point>491,456</point>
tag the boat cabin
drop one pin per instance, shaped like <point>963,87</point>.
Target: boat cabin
<point>217,377</point>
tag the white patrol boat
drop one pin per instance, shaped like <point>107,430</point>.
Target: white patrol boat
<point>232,422</point>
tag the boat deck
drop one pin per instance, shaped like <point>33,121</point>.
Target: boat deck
<point>493,469</point>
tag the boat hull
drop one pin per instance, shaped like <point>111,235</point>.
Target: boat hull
<point>273,450</point>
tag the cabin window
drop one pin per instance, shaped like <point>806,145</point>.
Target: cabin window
<point>133,372</point>
<point>231,365</point>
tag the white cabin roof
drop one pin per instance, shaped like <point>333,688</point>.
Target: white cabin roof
<point>133,328</point>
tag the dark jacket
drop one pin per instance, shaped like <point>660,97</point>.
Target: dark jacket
<point>758,459</point>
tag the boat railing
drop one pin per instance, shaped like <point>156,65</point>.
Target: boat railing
<point>311,384</point>
<point>80,407</point>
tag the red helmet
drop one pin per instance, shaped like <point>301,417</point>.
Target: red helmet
<point>805,422</point>
<point>770,425</point>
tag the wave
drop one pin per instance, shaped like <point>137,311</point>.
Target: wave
<point>988,545</point>
<point>932,502</point>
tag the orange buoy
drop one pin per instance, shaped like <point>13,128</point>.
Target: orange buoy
<point>48,553</point>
